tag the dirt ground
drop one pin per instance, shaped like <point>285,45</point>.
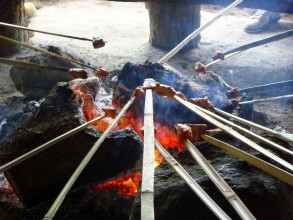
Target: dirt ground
<point>125,26</point>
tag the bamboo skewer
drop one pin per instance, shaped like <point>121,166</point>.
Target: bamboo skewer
<point>269,86</point>
<point>233,133</point>
<point>31,65</point>
<point>261,164</point>
<point>147,183</point>
<point>47,145</point>
<point>220,183</point>
<point>247,132</point>
<point>267,99</point>
<point>257,126</point>
<point>44,51</point>
<point>55,206</point>
<point>43,32</point>
<point>191,183</point>
<point>198,31</point>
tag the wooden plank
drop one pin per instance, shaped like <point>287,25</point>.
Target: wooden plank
<point>55,206</point>
<point>147,184</point>
<point>280,135</point>
<point>261,164</point>
<point>220,183</point>
<point>230,131</point>
<point>191,183</point>
<point>198,31</point>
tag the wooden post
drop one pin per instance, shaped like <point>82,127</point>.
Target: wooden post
<point>170,23</point>
<point>12,11</point>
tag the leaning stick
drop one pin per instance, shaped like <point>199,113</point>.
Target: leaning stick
<point>191,183</point>
<point>147,183</point>
<point>47,145</point>
<point>198,31</point>
<point>55,206</point>
<point>246,131</point>
<point>220,183</point>
<point>44,51</point>
<point>230,131</point>
<point>270,86</point>
<point>266,130</point>
<point>31,65</point>
<point>43,32</point>
<point>261,164</point>
<point>266,100</point>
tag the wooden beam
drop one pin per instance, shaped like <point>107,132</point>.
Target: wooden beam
<point>283,6</point>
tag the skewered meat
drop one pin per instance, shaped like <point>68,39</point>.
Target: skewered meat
<point>167,91</point>
<point>76,73</point>
<point>199,67</point>
<point>203,102</point>
<point>213,131</point>
<point>98,43</point>
<point>219,56</point>
<point>138,92</point>
<point>102,73</point>
<point>109,111</point>
<point>233,93</point>
<point>235,103</point>
<point>198,130</point>
<point>183,132</point>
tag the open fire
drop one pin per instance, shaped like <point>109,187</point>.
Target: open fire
<point>129,184</point>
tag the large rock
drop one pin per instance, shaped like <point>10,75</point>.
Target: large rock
<point>42,177</point>
<point>37,83</point>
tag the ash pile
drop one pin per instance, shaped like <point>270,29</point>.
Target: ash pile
<point>105,188</point>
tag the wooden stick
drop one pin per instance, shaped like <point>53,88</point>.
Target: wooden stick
<point>261,164</point>
<point>246,131</point>
<point>235,134</point>
<point>147,184</point>
<point>43,32</point>
<point>191,183</point>
<point>31,65</point>
<point>55,206</point>
<point>44,51</point>
<point>258,127</point>
<point>47,145</point>
<point>220,183</point>
<point>267,99</point>
<point>269,86</point>
<point>198,31</point>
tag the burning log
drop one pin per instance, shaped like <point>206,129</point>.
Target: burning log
<point>132,76</point>
<point>47,172</point>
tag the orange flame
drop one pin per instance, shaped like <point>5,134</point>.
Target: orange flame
<point>127,185</point>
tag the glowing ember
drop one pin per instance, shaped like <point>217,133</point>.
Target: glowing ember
<point>127,185</point>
